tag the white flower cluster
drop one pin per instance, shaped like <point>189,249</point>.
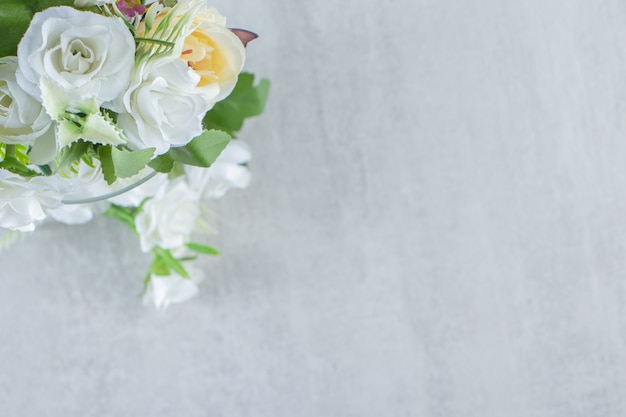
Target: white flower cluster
<point>173,212</point>
<point>135,77</point>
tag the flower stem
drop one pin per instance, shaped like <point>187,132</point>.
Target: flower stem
<point>10,152</point>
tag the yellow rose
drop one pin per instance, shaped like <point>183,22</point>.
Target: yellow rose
<point>214,53</point>
<point>210,49</point>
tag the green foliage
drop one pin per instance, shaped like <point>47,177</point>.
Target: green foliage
<point>246,100</point>
<point>159,267</point>
<point>73,153</point>
<point>160,41</point>
<point>162,163</point>
<point>15,160</point>
<point>201,151</point>
<point>202,249</point>
<point>129,163</point>
<point>10,163</point>
<point>21,154</point>
<point>106,162</point>
<point>125,215</point>
<point>15,16</point>
<point>117,163</point>
<point>165,259</point>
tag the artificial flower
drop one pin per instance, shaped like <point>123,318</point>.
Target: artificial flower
<point>208,47</point>
<point>162,108</point>
<point>84,54</point>
<point>215,53</point>
<point>165,290</point>
<point>25,201</point>
<point>169,218</point>
<point>98,115</point>
<point>22,118</point>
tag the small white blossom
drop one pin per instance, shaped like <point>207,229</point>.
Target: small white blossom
<point>227,172</point>
<point>25,201</point>
<point>169,218</point>
<point>165,290</point>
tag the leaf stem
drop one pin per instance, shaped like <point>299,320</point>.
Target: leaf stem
<point>151,40</point>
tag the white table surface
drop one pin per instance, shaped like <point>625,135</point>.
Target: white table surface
<point>436,227</point>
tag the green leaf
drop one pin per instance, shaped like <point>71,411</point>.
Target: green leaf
<point>162,163</point>
<point>201,151</point>
<point>203,249</point>
<point>92,127</point>
<point>54,99</point>
<point>10,163</point>
<point>173,263</point>
<point>73,153</point>
<point>188,258</point>
<point>15,160</point>
<point>122,214</point>
<point>106,162</point>
<point>159,267</point>
<point>45,169</point>
<point>129,163</point>
<point>246,100</point>
<point>15,16</point>
<point>118,163</point>
<point>146,282</point>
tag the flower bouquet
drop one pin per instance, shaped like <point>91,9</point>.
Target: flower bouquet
<point>126,109</point>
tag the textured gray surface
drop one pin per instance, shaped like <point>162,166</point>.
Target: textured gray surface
<point>437,227</point>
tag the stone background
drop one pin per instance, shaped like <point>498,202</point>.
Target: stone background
<point>437,227</point>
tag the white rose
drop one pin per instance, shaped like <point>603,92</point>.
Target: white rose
<point>86,55</point>
<point>165,290</point>
<point>169,218</point>
<point>22,118</point>
<point>162,108</point>
<point>24,201</point>
<point>227,172</point>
